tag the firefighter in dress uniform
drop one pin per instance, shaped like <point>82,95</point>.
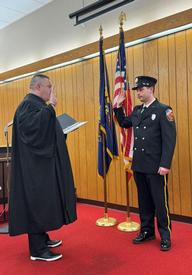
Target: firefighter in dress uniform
<point>154,142</point>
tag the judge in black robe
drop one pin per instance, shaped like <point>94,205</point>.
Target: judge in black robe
<point>42,193</point>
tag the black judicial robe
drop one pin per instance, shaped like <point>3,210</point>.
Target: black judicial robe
<point>42,193</point>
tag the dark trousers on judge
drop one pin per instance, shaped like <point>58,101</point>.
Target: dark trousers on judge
<point>37,243</point>
<point>153,199</point>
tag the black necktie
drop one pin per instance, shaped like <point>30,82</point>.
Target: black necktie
<point>143,109</point>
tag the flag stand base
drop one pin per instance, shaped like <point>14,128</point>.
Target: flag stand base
<point>106,221</point>
<point>128,226</point>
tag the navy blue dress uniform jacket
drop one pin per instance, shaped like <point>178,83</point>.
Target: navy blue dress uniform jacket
<point>154,136</point>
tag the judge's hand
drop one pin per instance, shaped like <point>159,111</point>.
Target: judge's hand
<point>53,98</point>
<point>120,99</point>
<point>163,171</point>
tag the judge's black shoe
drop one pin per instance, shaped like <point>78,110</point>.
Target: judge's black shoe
<point>142,237</point>
<point>47,256</point>
<point>165,245</point>
<point>53,243</point>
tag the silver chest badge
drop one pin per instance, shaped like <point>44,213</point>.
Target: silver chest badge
<point>153,116</point>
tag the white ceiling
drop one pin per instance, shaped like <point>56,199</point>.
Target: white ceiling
<point>49,31</point>
<point>13,10</point>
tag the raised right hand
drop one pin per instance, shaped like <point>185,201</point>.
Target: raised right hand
<point>120,99</point>
<point>53,98</point>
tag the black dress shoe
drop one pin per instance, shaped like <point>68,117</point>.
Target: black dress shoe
<point>165,245</point>
<point>47,256</point>
<point>53,243</point>
<point>142,237</point>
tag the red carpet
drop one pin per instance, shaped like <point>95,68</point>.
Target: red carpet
<point>91,250</point>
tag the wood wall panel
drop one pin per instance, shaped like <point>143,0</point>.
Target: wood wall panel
<point>90,129</point>
<point>164,91</point>
<point>77,86</point>
<point>80,103</point>
<point>175,196</point>
<point>183,123</point>
<point>189,94</point>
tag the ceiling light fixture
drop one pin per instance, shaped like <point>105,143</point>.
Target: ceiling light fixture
<point>99,7</point>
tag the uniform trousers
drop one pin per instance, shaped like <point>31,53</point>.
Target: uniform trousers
<point>37,243</point>
<point>153,200</point>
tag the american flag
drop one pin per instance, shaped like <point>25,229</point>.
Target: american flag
<point>122,85</point>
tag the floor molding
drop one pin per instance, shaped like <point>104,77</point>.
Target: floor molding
<point>174,217</point>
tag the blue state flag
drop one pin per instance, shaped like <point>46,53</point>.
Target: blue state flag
<point>107,139</point>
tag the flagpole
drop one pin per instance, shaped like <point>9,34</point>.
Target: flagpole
<point>127,195</point>
<point>104,180</point>
<point>128,225</point>
<point>106,221</point>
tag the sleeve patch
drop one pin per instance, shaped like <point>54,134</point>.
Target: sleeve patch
<point>170,115</point>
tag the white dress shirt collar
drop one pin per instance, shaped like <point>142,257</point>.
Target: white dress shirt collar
<point>147,105</point>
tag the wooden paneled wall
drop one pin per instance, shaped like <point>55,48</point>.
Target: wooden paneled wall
<point>77,86</point>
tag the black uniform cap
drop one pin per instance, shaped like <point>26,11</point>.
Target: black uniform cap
<point>144,81</point>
